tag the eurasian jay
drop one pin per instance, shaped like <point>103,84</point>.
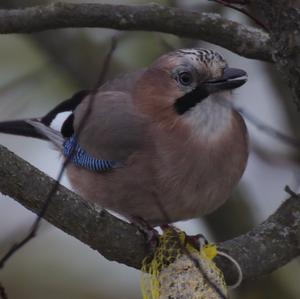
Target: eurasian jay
<point>156,142</point>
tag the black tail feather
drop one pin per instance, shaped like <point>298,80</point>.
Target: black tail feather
<point>21,128</point>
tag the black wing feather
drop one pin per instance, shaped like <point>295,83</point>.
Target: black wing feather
<point>68,105</point>
<point>23,128</point>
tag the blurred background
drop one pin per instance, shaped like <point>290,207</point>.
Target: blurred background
<point>38,71</point>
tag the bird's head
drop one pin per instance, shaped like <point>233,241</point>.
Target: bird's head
<point>187,83</point>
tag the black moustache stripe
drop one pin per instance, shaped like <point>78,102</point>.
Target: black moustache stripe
<point>190,100</point>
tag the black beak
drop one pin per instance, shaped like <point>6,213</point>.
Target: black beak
<point>232,78</point>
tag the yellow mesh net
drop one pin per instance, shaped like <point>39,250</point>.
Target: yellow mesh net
<point>172,272</point>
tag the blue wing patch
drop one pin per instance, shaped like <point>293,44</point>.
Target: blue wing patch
<point>81,158</point>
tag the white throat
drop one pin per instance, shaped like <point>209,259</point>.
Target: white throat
<point>211,117</point>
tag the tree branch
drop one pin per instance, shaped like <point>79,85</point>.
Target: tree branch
<point>283,19</point>
<point>244,40</point>
<point>69,212</point>
<point>265,248</point>
<point>270,245</point>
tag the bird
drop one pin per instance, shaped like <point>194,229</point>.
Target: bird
<point>159,144</point>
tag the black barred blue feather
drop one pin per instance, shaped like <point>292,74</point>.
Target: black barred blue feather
<point>81,158</point>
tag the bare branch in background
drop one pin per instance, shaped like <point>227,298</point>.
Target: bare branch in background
<point>268,130</point>
<point>265,248</point>
<point>83,57</point>
<point>3,294</point>
<point>244,40</point>
<point>242,10</point>
<point>283,20</point>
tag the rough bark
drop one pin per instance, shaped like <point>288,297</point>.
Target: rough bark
<point>283,20</point>
<point>243,40</point>
<point>265,248</point>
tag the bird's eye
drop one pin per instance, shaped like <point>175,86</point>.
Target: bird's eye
<point>185,78</point>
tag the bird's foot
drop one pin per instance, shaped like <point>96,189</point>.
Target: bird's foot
<point>152,235</point>
<point>197,241</point>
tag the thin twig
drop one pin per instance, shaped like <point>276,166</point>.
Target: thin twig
<point>3,294</point>
<point>47,202</point>
<point>242,10</point>
<point>260,125</point>
<point>107,61</point>
<point>289,191</point>
<point>36,224</point>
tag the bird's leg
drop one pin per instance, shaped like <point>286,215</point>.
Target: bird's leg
<point>149,231</point>
<point>166,226</point>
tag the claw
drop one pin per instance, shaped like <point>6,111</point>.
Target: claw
<point>152,235</point>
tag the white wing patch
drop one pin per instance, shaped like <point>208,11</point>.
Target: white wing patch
<point>59,120</point>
